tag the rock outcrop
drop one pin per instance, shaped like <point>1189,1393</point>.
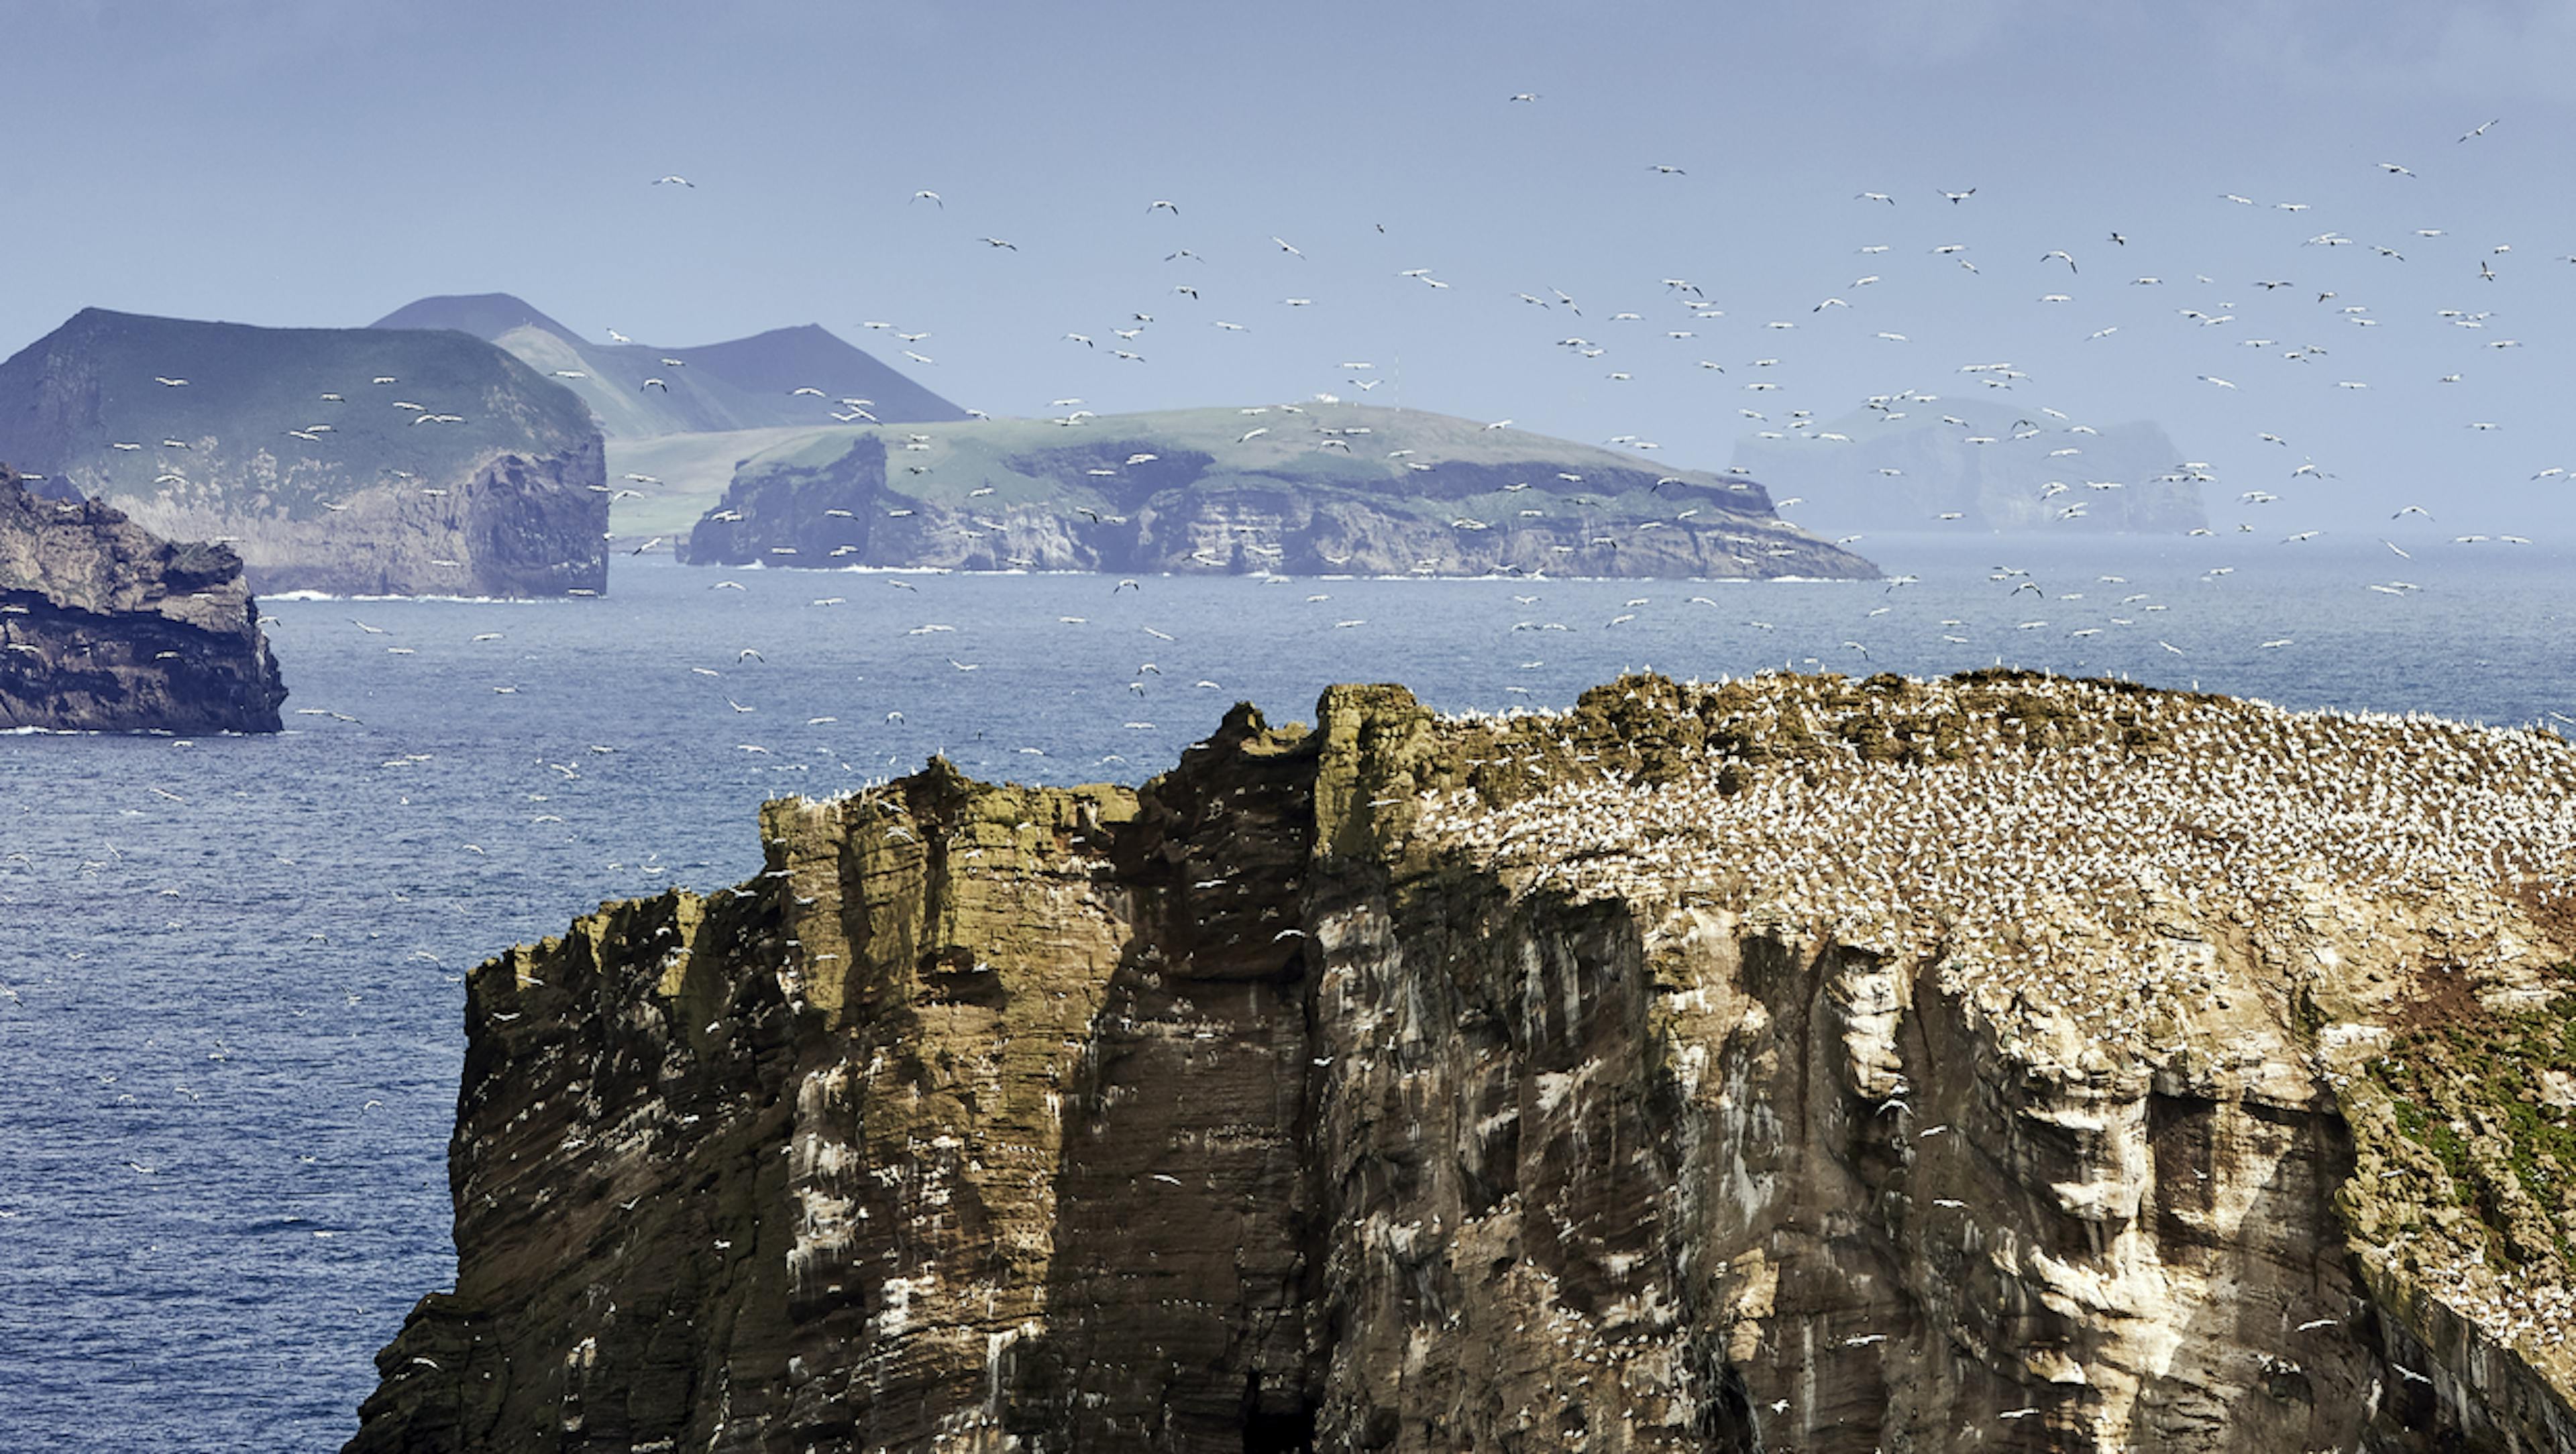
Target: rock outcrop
<point>1323,489</point>
<point>348,460</point>
<point>1996,1063</point>
<point>106,627</point>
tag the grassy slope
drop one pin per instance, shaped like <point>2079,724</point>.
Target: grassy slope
<point>957,459</point>
<point>688,473</point>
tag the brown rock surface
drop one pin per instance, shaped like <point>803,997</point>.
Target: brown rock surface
<point>107,627</point>
<point>1998,1063</point>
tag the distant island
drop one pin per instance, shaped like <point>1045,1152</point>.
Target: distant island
<point>466,444</point>
<point>1310,489</point>
<point>106,628</point>
<point>348,460</point>
<point>1912,462</point>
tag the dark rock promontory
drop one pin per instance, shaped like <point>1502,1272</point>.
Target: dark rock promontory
<point>107,627</point>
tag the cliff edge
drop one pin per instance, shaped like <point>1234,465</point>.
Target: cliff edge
<point>107,627</point>
<point>2003,1062</point>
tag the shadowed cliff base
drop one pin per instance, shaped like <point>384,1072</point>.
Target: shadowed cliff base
<point>2002,1062</point>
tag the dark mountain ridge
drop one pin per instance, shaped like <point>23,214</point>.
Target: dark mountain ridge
<point>798,375</point>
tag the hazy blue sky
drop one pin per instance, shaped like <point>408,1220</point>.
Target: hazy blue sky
<point>321,163</point>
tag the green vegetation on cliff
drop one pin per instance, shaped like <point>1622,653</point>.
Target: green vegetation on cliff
<point>1313,489</point>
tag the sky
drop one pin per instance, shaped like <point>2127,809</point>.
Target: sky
<point>309,163</point>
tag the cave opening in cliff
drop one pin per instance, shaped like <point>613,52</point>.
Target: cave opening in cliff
<point>1284,1423</point>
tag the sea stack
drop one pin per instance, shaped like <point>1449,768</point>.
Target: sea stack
<point>107,627</point>
<point>2002,1062</point>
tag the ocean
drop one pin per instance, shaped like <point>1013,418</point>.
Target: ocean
<point>230,977</point>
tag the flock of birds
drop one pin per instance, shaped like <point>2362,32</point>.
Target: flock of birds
<point>2079,863</point>
<point>2511,1305</point>
<point>2040,858</point>
<point>175,457</point>
<point>1676,323</point>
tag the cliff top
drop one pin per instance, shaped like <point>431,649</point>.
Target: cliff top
<point>2370,913</point>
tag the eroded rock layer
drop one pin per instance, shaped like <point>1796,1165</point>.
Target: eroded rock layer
<point>1997,1063</point>
<point>107,627</point>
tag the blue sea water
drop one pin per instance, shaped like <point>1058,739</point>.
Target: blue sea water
<point>230,968</point>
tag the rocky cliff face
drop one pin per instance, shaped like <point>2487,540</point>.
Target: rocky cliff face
<point>1140,495</point>
<point>1999,1063</point>
<point>512,526</point>
<point>371,461</point>
<point>105,627</point>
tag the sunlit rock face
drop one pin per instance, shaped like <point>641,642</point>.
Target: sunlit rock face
<point>107,627</point>
<point>2002,1062</point>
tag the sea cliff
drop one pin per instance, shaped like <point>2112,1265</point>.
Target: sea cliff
<point>106,627</point>
<point>1323,488</point>
<point>2002,1062</point>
